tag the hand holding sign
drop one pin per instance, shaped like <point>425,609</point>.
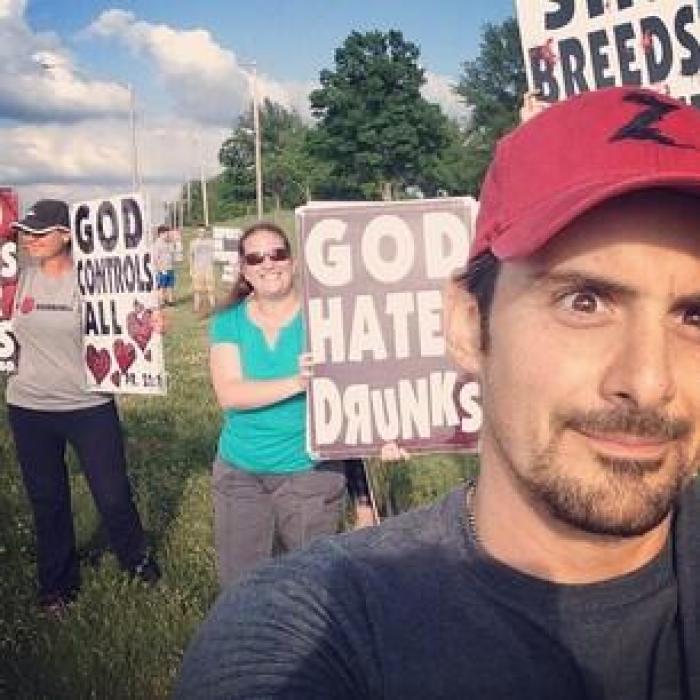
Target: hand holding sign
<point>306,369</point>
<point>532,106</point>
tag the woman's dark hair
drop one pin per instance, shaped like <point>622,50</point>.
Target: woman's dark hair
<point>479,279</point>
<point>242,288</point>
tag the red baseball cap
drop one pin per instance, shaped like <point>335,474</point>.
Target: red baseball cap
<point>577,154</point>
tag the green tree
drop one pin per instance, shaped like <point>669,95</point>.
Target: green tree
<point>451,173</point>
<point>289,171</point>
<point>493,85</point>
<point>236,184</point>
<point>375,130</point>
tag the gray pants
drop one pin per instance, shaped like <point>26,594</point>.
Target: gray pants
<point>251,510</point>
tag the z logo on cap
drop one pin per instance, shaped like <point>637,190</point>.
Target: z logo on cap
<point>641,127</point>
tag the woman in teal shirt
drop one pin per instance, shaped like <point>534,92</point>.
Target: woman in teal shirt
<point>265,483</point>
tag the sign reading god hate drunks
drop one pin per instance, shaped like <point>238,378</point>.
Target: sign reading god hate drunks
<point>114,265</point>
<point>373,280</point>
<point>8,278</point>
<point>572,46</point>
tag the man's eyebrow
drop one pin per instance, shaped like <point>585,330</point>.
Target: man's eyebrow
<point>583,280</point>
<point>686,301</point>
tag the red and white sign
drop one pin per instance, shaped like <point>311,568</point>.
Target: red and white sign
<point>116,276</point>
<point>573,46</point>
<point>8,278</point>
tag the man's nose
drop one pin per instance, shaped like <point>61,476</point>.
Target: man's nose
<point>641,371</point>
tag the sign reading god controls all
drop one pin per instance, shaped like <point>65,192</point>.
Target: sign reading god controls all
<point>373,279</point>
<point>123,353</point>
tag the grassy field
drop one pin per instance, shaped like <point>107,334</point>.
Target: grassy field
<point>121,639</point>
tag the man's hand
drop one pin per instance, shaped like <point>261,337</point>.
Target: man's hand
<point>306,369</point>
<point>391,452</point>
<point>532,106</point>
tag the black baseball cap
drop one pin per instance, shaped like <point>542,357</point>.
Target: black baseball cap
<point>45,216</point>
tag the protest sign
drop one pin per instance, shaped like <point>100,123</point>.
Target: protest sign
<point>573,46</point>
<point>8,278</point>
<point>116,276</point>
<point>226,244</point>
<point>373,278</point>
<point>226,251</point>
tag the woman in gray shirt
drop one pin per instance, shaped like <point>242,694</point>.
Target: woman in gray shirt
<point>50,406</point>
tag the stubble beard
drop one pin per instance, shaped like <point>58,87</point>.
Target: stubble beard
<point>629,498</point>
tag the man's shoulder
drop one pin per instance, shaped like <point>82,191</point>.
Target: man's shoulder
<point>314,614</point>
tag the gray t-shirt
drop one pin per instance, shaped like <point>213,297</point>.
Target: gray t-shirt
<point>414,609</point>
<point>164,254</point>
<point>202,255</point>
<point>46,321</point>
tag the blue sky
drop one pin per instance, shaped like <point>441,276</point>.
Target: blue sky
<point>296,38</point>
<point>64,105</point>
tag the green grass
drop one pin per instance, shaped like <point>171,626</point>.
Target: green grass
<point>121,639</point>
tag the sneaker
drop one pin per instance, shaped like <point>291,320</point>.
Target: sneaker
<point>147,570</point>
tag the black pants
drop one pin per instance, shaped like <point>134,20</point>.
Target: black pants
<point>95,434</point>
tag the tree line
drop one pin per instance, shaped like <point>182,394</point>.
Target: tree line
<point>374,135</point>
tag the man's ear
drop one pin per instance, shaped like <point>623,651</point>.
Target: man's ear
<point>462,327</point>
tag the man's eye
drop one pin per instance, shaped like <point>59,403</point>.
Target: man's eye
<point>691,316</point>
<point>582,302</point>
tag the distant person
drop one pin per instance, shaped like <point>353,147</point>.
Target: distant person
<point>202,269</point>
<point>50,406</point>
<point>267,488</point>
<point>164,258</point>
<point>571,567</point>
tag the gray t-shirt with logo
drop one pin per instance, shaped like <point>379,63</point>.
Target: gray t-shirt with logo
<point>46,321</point>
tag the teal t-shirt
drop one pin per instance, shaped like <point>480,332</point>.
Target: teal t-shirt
<point>271,439</point>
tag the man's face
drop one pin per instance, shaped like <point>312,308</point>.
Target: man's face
<point>591,381</point>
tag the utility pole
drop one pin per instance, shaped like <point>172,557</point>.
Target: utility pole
<point>203,185</point>
<point>253,81</point>
<point>135,179</point>
<point>258,148</point>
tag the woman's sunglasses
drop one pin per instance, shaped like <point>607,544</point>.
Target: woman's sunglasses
<point>276,255</point>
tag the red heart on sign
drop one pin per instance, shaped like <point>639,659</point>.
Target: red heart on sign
<point>27,305</point>
<point>125,354</point>
<point>139,325</point>
<point>98,361</point>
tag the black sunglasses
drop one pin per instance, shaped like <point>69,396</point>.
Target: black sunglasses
<point>276,255</point>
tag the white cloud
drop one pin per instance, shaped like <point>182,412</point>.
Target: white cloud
<point>39,81</point>
<point>12,8</point>
<point>207,81</point>
<point>440,89</point>
<point>63,134</point>
<point>94,158</point>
